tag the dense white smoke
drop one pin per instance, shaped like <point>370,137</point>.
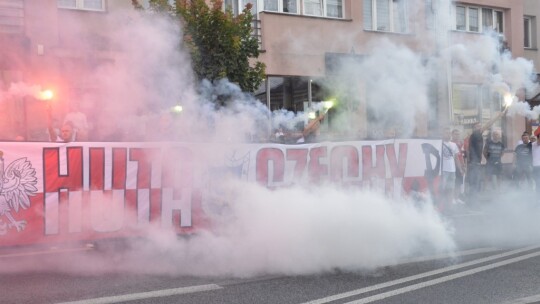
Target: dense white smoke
<point>300,230</point>
<point>287,231</point>
<point>21,89</point>
<point>397,82</point>
<point>297,230</point>
<point>509,220</point>
<point>486,61</point>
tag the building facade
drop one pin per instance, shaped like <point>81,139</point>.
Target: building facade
<point>304,42</point>
<point>391,66</point>
<point>531,39</point>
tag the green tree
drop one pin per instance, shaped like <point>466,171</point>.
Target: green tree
<point>221,44</point>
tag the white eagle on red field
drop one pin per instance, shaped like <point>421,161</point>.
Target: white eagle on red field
<point>17,184</point>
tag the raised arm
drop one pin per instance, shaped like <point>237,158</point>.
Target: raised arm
<point>50,128</point>
<point>313,125</point>
<point>493,120</point>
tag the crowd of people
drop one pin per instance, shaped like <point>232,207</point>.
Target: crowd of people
<point>474,166</point>
<point>469,167</point>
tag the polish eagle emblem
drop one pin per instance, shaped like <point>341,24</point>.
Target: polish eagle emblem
<point>17,184</point>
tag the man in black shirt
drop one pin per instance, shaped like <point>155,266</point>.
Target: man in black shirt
<point>523,161</point>
<point>474,159</point>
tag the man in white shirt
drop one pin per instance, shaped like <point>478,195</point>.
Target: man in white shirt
<point>450,163</point>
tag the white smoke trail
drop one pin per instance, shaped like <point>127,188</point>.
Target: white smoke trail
<point>287,231</point>
<point>304,231</point>
<point>524,109</point>
<point>21,89</point>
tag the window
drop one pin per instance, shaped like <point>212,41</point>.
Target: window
<point>492,20</point>
<point>399,21</point>
<point>385,15</point>
<point>430,14</point>
<point>271,5</point>
<point>334,8</point>
<point>254,7</point>
<point>487,19</point>
<point>528,31</point>
<point>461,23</point>
<point>478,19</point>
<point>323,8</point>
<point>88,5</point>
<point>498,19</point>
<point>290,6</point>
<point>232,4</point>
<point>473,20</point>
<point>465,104</point>
<point>11,19</point>
<point>313,7</point>
<point>472,103</point>
<point>282,6</point>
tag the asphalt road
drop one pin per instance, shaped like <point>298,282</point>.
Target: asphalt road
<point>478,272</point>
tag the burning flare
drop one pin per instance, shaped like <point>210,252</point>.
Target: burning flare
<point>508,99</point>
<point>177,109</point>
<point>45,95</point>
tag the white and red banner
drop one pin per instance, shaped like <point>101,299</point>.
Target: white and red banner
<point>52,192</point>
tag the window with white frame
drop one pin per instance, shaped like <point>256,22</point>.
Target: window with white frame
<point>430,14</point>
<point>492,20</point>
<point>313,7</point>
<point>323,8</point>
<point>271,5</point>
<point>528,27</point>
<point>478,19</point>
<point>254,6</point>
<point>385,15</point>
<point>282,6</point>
<point>290,6</point>
<point>231,4</point>
<point>334,8</point>
<point>88,5</point>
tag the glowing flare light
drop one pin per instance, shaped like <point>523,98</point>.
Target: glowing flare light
<point>508,99</point>
<point>328,104</point>
<point>177,109</point>
<point>46,95</point>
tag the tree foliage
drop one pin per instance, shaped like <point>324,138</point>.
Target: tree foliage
<point>221,44</point>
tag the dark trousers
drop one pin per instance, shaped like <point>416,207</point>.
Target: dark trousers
<point>474,177</point>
